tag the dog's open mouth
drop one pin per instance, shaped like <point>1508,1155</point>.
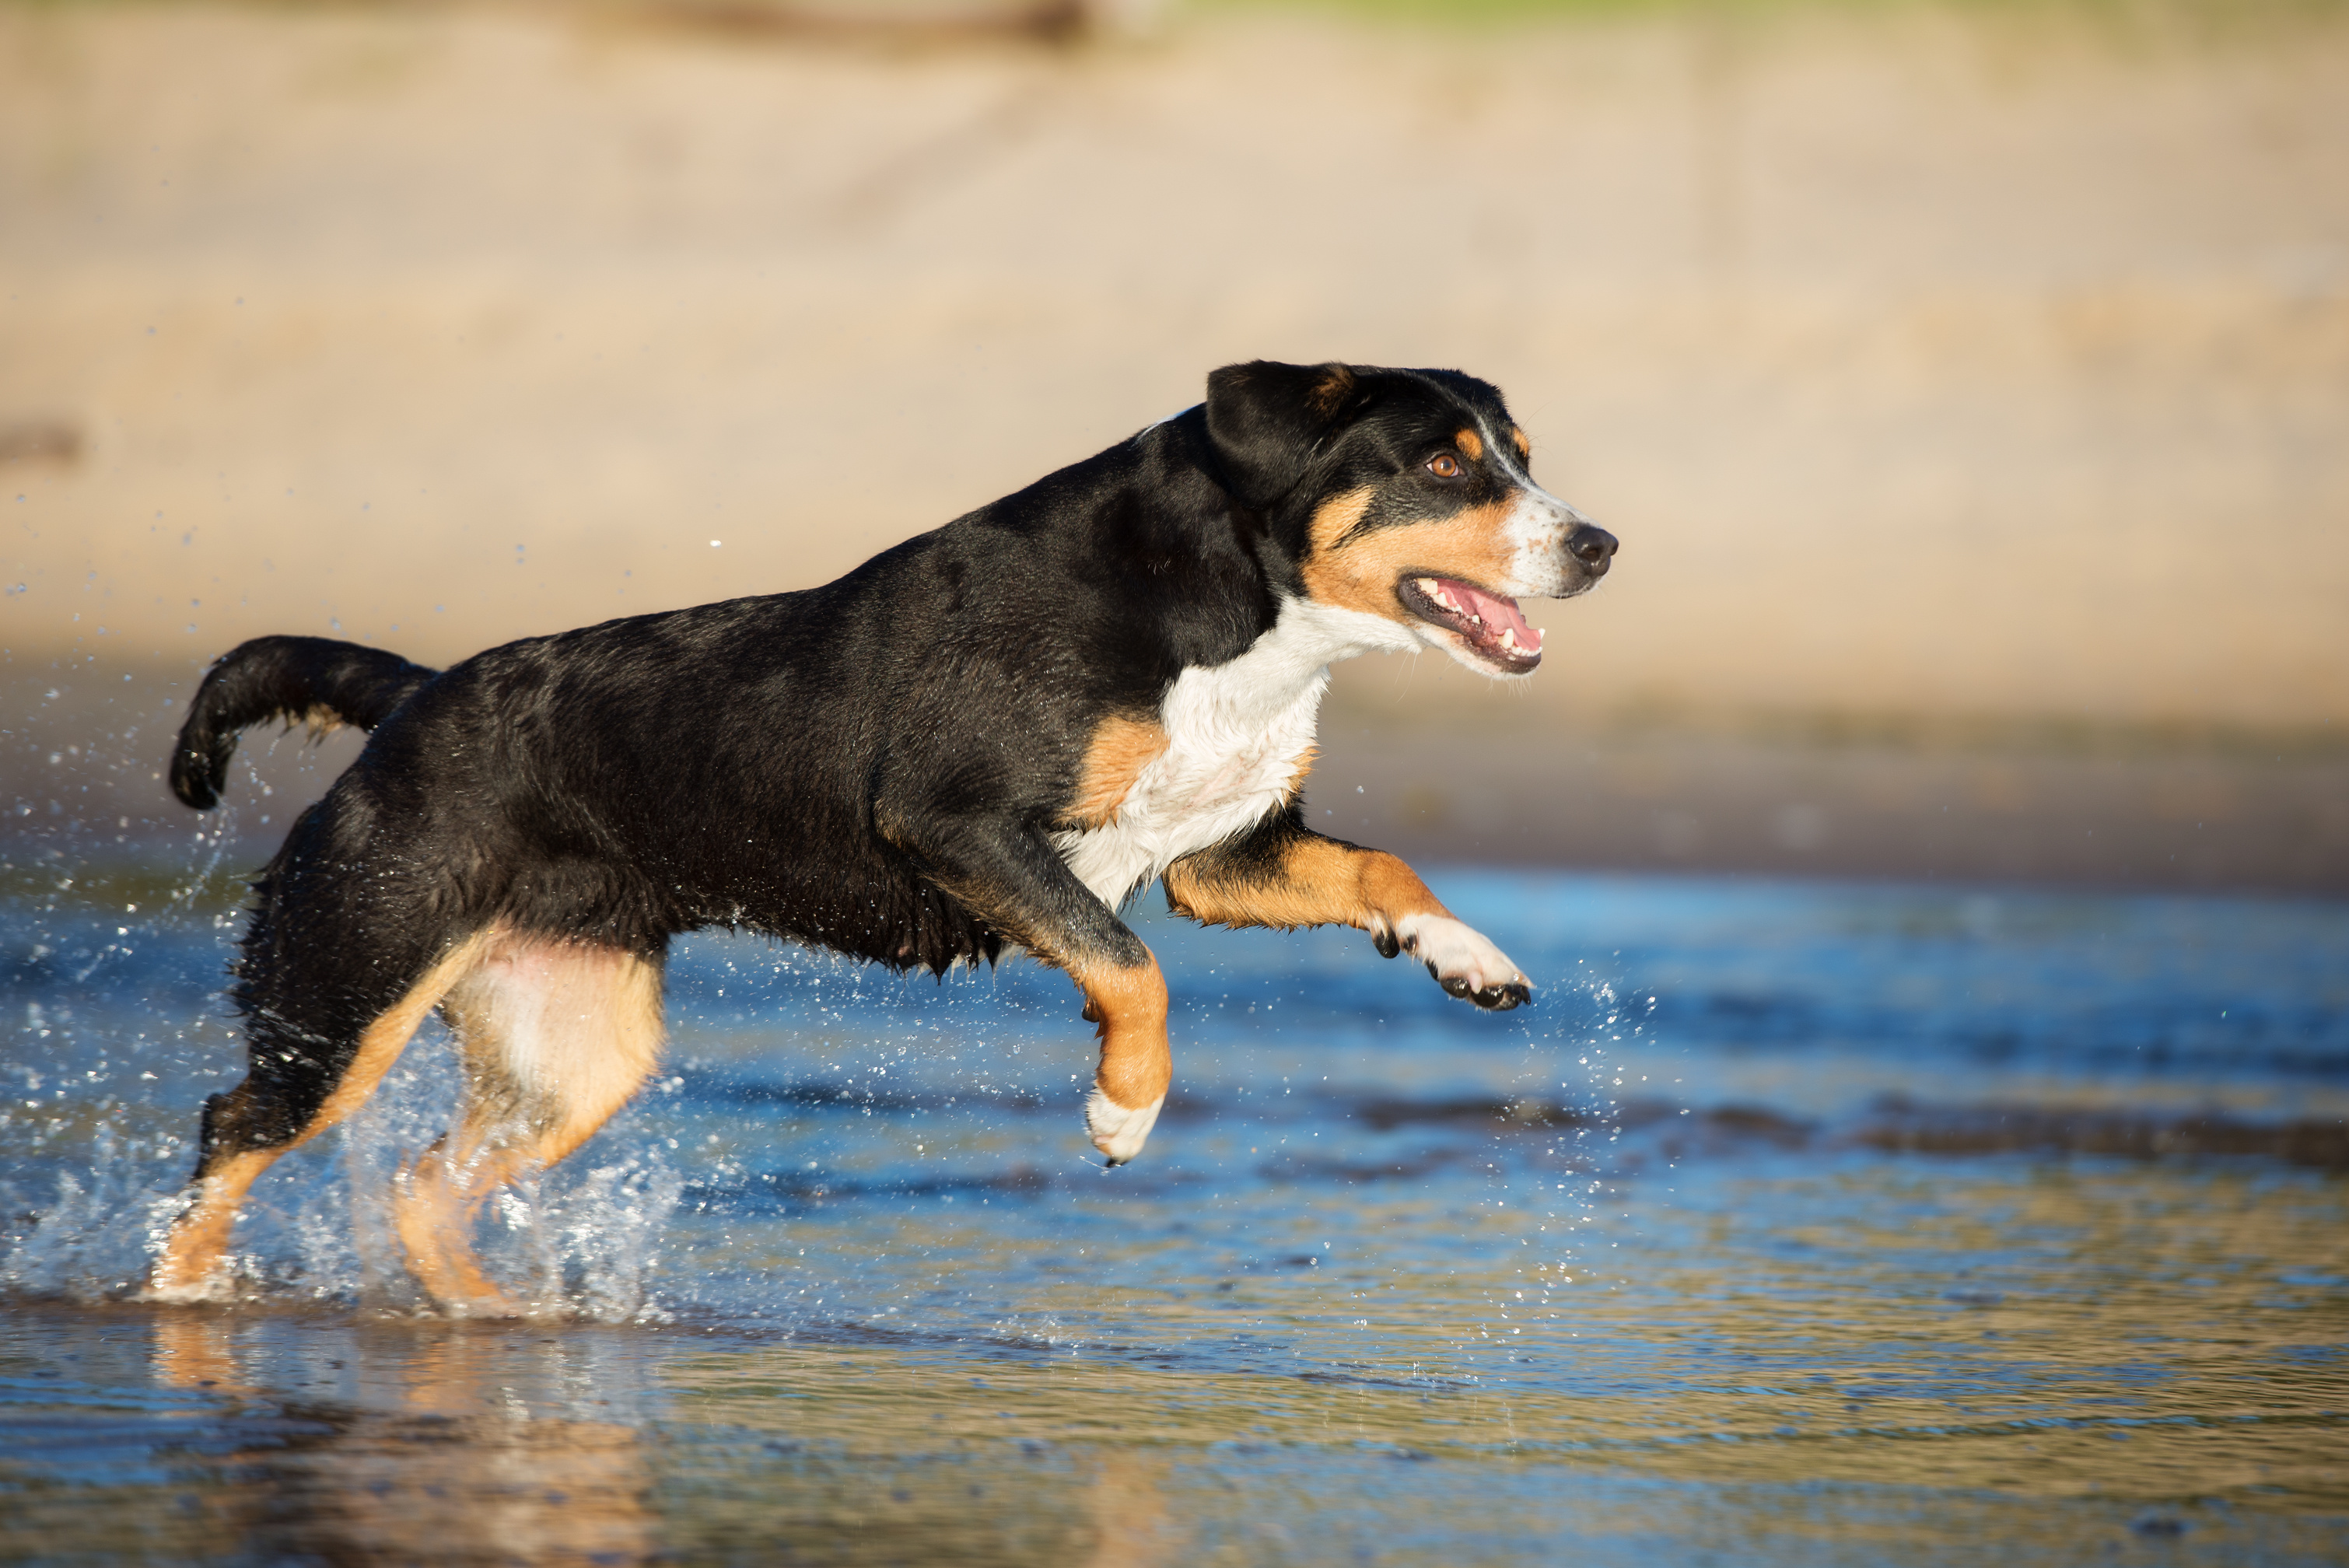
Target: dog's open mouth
<point>1490,623</point>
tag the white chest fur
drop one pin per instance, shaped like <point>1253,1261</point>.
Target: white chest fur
<point>1236,734</point>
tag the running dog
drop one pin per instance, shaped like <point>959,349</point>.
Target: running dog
<point>993,735</point>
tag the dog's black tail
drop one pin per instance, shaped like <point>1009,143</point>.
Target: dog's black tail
<point>296,679</point>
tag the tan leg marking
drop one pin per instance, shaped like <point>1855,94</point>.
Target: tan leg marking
<point>1129,1006</point>
<point>1330,884</point>
<point>1320,882</point>
<point>192,1253</point>
<point>435,1202</point>
<point>1119,749</point>
<point>1130,1085</point>
<point>389,1034</point>
<point>556,1036</point>
<point>190,1259</point>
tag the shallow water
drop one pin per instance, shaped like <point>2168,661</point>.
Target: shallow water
<point>1795,1222</point>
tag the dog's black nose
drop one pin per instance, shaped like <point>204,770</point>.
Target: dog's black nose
<point>1594,547</point>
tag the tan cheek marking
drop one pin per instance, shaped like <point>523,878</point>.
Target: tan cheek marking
<point>1362,573</point>
<point>1517,439</point>
<point>1336,517</point>
<point>1471,445</point>
<point>1325,571</point>
<point>1129,1006</point>
<point>1121,748</point>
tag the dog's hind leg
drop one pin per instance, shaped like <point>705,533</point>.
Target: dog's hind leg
<point>309,1071</point>
<point>556,1034</point>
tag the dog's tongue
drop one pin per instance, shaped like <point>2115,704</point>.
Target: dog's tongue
<point>1499,614</point>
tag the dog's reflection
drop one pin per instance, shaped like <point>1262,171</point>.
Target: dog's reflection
<point>462,1442</point>
<point>1133,1527</point>
<point>458,1465</point>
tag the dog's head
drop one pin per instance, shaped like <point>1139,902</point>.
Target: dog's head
<point>1407,495</point>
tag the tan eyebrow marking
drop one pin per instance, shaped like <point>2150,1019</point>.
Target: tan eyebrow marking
<point>1470,444</point>
<point>1517,439</point>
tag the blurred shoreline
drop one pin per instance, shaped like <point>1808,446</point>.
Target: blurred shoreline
<point>1672,799</point>
<point>1440,784</point>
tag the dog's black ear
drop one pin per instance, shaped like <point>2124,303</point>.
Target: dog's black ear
<point>1268,421</point>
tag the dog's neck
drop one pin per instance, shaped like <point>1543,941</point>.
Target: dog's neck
<point>1239,738</point>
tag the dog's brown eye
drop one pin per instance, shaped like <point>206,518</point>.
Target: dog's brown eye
<point>1443,466</point>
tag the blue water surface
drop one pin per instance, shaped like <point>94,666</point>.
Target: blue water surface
<point>1807,1222</point>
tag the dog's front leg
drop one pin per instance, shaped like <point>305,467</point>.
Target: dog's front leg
<point>1129,1003</point>
<point>1011,877</point>
<point>1285,874</point>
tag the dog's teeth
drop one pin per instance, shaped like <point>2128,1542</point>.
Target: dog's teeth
<point>1509,639</point>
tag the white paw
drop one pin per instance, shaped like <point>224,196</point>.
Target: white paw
<point>1464,961</point>
<point>1116,1131</point>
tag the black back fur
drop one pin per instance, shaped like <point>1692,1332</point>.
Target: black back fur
<point>875,765</point>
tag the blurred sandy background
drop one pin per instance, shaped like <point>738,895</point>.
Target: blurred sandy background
<point>1970,386</point>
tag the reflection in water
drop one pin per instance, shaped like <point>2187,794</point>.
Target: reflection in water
<point>1132,1526</point>
<point>459,1465</point>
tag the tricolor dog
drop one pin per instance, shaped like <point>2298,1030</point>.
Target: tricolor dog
<point>990,736</point>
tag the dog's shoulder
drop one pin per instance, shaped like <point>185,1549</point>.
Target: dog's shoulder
<point>1138,559</point>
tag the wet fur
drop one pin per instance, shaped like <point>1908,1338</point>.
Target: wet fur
<point>988,736</point>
